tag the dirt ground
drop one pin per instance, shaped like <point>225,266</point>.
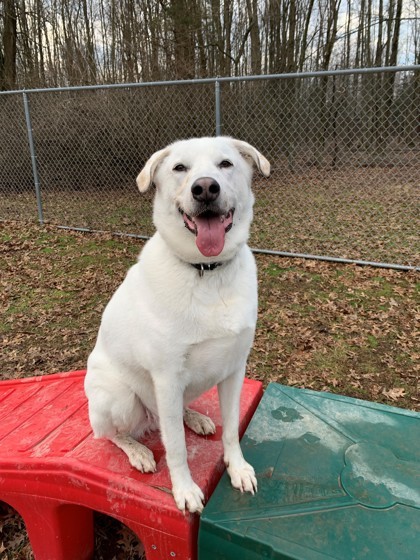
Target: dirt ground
<point>340,328</point>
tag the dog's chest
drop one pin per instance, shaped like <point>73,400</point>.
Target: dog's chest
<point>219,328</point>
<point>218,315</point>
<point>209,362</point>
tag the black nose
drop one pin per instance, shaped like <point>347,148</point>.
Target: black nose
<point>205,190</point>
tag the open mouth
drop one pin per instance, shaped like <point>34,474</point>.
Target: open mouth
<point>210,229</point>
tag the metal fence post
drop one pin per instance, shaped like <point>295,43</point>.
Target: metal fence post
<point>218,112</point>
<point>33,157</point>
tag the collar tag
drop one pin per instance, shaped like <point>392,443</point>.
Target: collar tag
<point>204,267</point>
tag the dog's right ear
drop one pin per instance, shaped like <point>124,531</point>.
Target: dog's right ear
<point>145,177</point>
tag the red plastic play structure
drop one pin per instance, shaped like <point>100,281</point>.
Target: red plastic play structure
<point>55,474</point>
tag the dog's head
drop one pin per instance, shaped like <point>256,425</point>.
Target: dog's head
<point>203,203</point>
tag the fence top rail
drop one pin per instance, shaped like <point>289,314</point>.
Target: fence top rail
<point>294,75</point>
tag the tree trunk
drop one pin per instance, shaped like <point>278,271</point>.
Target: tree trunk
<point>304,43</point>
<point>252,6</point>
<point>183,38</point>
<point>8,69</point>
<point>90,50</point>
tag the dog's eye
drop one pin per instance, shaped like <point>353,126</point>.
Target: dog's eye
<point>180,167</point>
<point>225,163</point>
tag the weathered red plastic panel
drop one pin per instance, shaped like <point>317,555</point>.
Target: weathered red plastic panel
<point>55,473</point>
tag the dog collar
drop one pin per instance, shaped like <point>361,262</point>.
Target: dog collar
<point>205,267</point>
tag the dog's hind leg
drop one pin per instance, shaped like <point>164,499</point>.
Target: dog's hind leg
<point>117,414</point>
<point>139,456</point>
<point>199,423</point>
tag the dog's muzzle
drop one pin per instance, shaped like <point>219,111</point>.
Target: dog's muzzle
<point>208,221</point>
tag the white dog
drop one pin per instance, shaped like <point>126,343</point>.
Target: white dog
<point>184,318</point>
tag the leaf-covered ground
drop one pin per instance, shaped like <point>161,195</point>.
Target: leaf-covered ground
<point>329,327</point>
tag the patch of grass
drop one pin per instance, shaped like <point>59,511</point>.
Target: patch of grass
<point>5,237</point>
<point>334,359</point>
<point>275,270</point>
<point>372,341</point>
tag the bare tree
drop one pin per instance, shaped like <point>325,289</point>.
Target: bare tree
<point>70,42</point>
<point>304,38</point>
<point>252,7</point>
<point>183,37</point>
<point>90,49</point>
<point>8,57</point>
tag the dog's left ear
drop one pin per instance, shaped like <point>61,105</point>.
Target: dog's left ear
<point>145,177</point>
<point>262,163</point>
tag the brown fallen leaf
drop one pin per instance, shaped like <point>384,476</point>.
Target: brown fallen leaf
<point>394,393</point>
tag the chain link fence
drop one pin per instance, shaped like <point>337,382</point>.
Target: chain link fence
<point>344,148</point>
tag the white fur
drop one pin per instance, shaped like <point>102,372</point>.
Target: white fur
<point>168,334</point>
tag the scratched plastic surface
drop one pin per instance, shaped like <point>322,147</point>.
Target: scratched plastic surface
<point>338,478</point>
<point>44,418</point>
<point>48,457</point>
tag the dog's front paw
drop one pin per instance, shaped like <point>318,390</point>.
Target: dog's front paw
<point>142,459</point>
<point>243,477</point>
<point>199,423</point>
<point>139,456</point>
<point>188,496</point>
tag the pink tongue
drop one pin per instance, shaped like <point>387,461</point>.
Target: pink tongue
<point>210,238</point>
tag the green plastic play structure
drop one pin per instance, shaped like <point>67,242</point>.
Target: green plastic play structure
<point>339,478</point>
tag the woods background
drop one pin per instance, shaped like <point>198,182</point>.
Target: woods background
<point>50,43</point>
